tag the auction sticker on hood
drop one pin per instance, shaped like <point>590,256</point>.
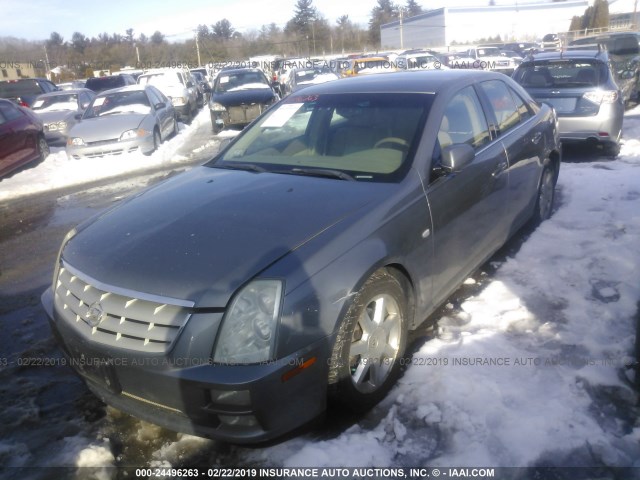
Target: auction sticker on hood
<point>281,115</point>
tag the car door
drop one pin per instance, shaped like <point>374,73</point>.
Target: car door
<point>522,137</point>
<point>467,206</point>
<point>17,142</point>
<point>165,114</point>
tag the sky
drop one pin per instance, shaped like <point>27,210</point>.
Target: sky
<point>177,19</point>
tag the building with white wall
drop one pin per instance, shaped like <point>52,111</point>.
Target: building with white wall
<point>448,25</point>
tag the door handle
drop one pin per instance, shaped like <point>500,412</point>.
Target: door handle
<point>501,167</point>
<point>536,137</point>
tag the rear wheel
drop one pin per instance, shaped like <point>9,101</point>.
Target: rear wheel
<point>546,196</point>
<point>371,341</point>
<point>214,126</point>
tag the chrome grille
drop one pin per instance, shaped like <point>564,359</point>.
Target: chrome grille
<point>118,319</point>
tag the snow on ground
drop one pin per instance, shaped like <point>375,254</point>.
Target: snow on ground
<point>58,171</point>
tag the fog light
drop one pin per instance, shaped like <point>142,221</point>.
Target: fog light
<point>239,420</point>
<point>231,397</point>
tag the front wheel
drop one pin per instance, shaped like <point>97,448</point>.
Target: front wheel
<point>156,141</point>
<point>371,341</point>
<point>43,149</point>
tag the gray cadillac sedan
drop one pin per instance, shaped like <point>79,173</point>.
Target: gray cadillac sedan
<point>234,300</point>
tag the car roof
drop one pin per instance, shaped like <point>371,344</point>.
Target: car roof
<point>417,81</point>
<point>242,70</point>
<point>568,54</point>
<point>127,88</point>
<point>66,92</point>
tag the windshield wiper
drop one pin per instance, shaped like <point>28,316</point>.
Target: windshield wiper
<point>323,172</point>
<point>249,167</point>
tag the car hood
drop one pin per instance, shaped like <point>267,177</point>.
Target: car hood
<point>202,234</point>
<point>253,95</point>
<point>107,127</point>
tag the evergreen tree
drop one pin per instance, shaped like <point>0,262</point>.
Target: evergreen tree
<point>384,12</point>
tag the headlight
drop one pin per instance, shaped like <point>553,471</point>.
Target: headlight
<point>216,107</point>
<point>248,329</point>
<point>129,134</point>
<point>76,141</point>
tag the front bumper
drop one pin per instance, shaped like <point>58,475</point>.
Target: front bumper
<point>234,403</point>
<point>111,147</point>
<point>237,115</point>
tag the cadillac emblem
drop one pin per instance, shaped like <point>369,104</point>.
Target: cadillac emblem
<point>95,315</point>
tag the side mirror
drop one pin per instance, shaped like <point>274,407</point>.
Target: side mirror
<point>160,105</point>
<point>457,156</point>
<point>84,105</point>
<point>189,84</point>
<point>78,116</point>
<point>206,87</point>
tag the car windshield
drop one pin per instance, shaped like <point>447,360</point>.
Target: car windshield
<point>118,103</point>
<point>231,82</point>
<point>489,52</point>
<point>55,103</point>
<point>160,79</point>
<point>105,83</point>
<point>364,137</point>
<point>313,75</point>
<point>422,61</point>
<point>562,73</point>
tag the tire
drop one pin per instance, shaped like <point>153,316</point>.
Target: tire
<point>214,127</point>
<point>545,196</point>
<point>370,344</point>
<point>43,149</point>
<point>612,150</point>
<point>174,131</point>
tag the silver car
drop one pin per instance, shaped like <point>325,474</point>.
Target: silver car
<point>58,111</point>
<point>123,120</point>
<point>579,84</point>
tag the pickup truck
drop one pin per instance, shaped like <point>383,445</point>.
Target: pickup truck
<point>484,58</point>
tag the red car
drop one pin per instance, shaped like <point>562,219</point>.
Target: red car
<point>21,137</point>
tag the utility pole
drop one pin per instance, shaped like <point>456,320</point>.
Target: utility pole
<point>401,28</point>
<point>198,46</point>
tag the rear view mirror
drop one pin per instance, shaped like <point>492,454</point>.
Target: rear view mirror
<point>457,156</point>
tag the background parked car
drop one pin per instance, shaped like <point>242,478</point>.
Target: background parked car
<point>21,137</point>
<point>239,96</point>
<point>178,86</point>
<point>579,84</point>
<point>58,111</point>
<point>419,61</point>
<point>623,49</point>
<point>100,84</point>
<point>303,77</point>
<point>123,120</point>
<point>290,269</point>
<point>202,88</point>
<point>25,90</point>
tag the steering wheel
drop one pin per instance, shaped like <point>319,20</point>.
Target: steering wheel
<point>398,143</point>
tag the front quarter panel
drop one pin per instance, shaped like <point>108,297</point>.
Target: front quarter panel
<point>323,276</point>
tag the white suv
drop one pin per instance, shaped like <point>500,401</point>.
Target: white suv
<point>178,86</point>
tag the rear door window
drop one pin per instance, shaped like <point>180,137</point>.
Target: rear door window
<point>502,104</point>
